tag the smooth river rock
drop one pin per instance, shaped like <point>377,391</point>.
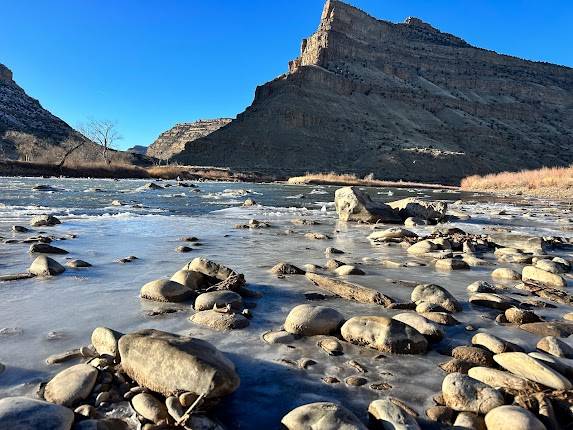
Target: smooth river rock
<point>23,413</point>
<point>164,290</point>
<point>71,385</point>
<point>534,275</point>
<point>168,364</point>
<point>501,379</point>
<point>387,415</point>
<point>149,407</point>
<point>321,416</point>
<point>46,266</point>
<point>434,294</point>
<point>384,334</point>
<point>310,320</point>
<point>465,394</point>
<point>219,299</point>
<point>555,346</point>
<point>528,367</point>
<point>105,341</point>
<point>44,221</point>
<point>191,279</point>
<point>512,417</point>
<point>218,320</point>
<point>426,327</point>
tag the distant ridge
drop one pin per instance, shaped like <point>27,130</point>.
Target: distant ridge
<point>402,101</point>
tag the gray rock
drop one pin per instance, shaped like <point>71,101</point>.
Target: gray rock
<point>465,394</point>
<point>492,300</point>
<point>105,341</point>
<point>347,269</point>
<point>150,408</point>
<point>536,276</point>
<point>434,294</point>
<point>191,279</point>
<point>46,266</point>
<point>512,417</point>
<point>549,328</point>
<point>23,413</point>
<point>534,370</point>
<point>391,233</point>
<point>219,299</point>
<point>501,379</point>
<point>44,221</point>
<point>281,336</point>
<point>421,324</point>
<point>555,346</point>
<point>164,290</point>
<point>550,266</point>
<point>389,416</point>
<point>310,320</point>
<point>422,247</point>
<point>355,205</point>
<point>209,268</point>
<point>321,416</point>
<point>481,287</point>
<point>149,357</point>
<point>286,269</point>
<point>220,321</point>
<point>418,208</point>
<point>76,264</point>
<point>505,274</point>
<point>44,248</point>
<point>384,334</point>
<point>71,385</point>
<point>449,264</point>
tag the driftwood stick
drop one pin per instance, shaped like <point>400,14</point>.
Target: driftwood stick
<point>348,290</point>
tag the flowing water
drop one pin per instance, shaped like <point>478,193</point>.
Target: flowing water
<point>40,317</point>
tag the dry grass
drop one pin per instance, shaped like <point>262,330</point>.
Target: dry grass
<point>544,182</point>
<point>75,170</point>
<point>351,179</point>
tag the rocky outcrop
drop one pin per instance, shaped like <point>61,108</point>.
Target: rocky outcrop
<point>29,132</point>
<point>404,101</point>
<point>173,141</point>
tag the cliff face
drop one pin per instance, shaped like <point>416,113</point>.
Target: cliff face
<point>173,141</point>
<point>399,100</point>
<point>31,133</point>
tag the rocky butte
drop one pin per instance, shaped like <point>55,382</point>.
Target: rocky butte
<point>173,141</point>
<point>403,101</point>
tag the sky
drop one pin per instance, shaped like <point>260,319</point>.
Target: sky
<point>149,64</point>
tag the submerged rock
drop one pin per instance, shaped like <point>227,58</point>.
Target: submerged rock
<point>310,320</point>
<point>46,266</point>
<point>149,357</point>
<point>23,413</point>
<point>76,264</point>
<point>71,385</point>
<point>44,248</point>
<point>321,416</point>
<point>286,269</point>
<point>384,334</point>
<point>355,205</point>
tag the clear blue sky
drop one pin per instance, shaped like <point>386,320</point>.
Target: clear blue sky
<point>149,64</point>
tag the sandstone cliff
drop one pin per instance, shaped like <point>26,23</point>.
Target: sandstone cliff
<point>173,141</point>
<point>29,132</point>
<point>404,101</point>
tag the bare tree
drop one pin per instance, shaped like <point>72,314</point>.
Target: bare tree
<point>102,132</point>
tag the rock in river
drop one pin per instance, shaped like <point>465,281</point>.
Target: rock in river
<point>421,324</point>
<point>44,221</point>
<point>219,320</point>
<point>390,416</point>
<point>355,205</point>
<point>512,417</point>
<point>434,294</point>
<point>44,248</point>
<point>555,346</point>
<point>286,269</point>
<point>149,407</point>
<point>310,320</point>
<point>549,328</point>
<point>23,413</point>
<point>534,275</point>
<point>384,334</point>
<point>321,416</point>
<point>105,341</point>
<point>150,357</point>
<point>418,208</point>
<point>46,266</point>
<point>71,385</point>
<point>463,393</point>
<point>219,299</point>
<point>528,367</point>
<point>164,290</point>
